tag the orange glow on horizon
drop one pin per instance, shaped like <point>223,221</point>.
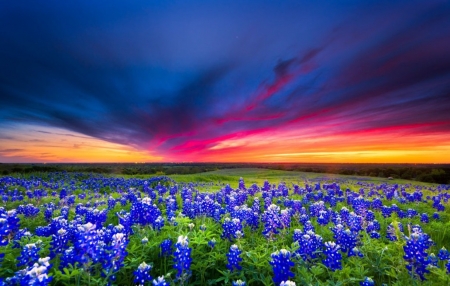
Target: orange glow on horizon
<point>57,145</point>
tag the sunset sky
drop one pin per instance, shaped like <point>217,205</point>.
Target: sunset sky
<point>225,81</point>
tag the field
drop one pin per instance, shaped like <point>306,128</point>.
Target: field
<point>242,226</point>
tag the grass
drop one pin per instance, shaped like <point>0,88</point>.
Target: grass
<point>258,176</point>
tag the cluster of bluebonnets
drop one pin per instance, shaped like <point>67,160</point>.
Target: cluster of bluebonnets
<point>75,209</point>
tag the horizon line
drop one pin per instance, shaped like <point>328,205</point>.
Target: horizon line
<point>228,163</point>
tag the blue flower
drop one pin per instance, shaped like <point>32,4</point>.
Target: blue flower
<point>166,247</point>
<point>9,225</point>
<point>444,254</point>
<point>68,258</point>
<point>232,229</point>
<point>436,216</point>
<point>233,258</point>
<point>281,265</point>
<point>59,242</point>
<point>113,255</point>
<point>272,221</point>
<point>160,282</point>
<point>238,283</point>
<point>415,252</point>
<point>111,202</point>
<point>35,275</point>
<point>212,243</point>
<point>333,258</point>
<point>390,233</point>
<point>309,244</point>
<point>367,282</point>
<point>29,254</point>
<point>142,274</point>
<point>182,258</point>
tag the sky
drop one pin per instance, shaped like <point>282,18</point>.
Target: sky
<point>225,81</point>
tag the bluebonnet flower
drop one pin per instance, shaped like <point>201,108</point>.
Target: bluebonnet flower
<point>347,239</point>
<point>43,231</point>
<point>373,226</point>
<point>9,225</point>
<point>114,255</point>
<point>158,223</point>
<point>62,194</point>
<point>65,212</point>
<point>415,252</point>
<point>344,213</point>
<point>359,206</point>
<point>309,244</point>
<point>233,258</point>
<point>29,254</point>
<point>367,282</point>
<point>238,283</point>
<point>281,265</point>
<point>424,218</point>
<point>166,247</point>
<point>355,222</point>
<point>412,213</point>
<point>241,184</point>
<point>377,204</point>
<point>333,258</point>
<point>285,218</point>
<point>323,218</point>
<point>375,235</point>
<point>35,275</point>
<point>18,236</point>
<point>68,258</point>
<point>436,216</point>
<point>59,242</point>
<point>355,252</point>
<point>390,233</point>
<point>48,214</point>
<point>96,217</point>
<point>308,226</point>
<point>212,243</point>
<point>386,211</point>
<point>432,260</point>
<point>272,221</point>
<point>89,246</point>
<point>182,258</point>
<point>111,202</point>
<point>444,254</point>
<point>144,240</point>
<point>231,228</point>
<point>253,220</point>
<point>71,200</point>
<point>145,213</point>
<point>160,281</point>
<point>437,204</point>
<point>142,274</point>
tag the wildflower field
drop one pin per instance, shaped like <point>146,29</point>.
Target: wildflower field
<point>227,227</point>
